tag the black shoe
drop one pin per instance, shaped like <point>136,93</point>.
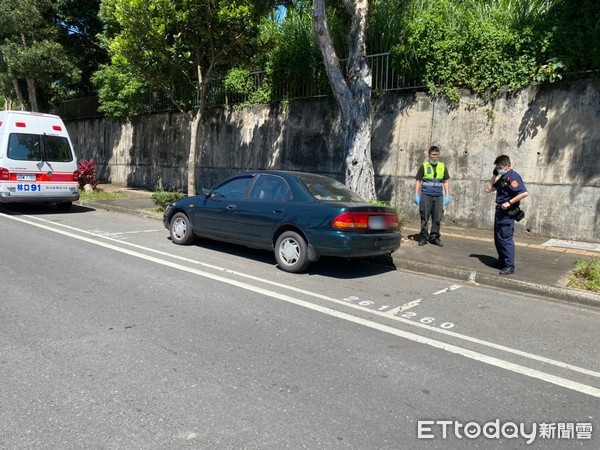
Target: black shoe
<point>436,241</point>
<point>422,242</point>
<point>508,270</point>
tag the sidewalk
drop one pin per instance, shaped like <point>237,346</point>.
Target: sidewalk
<point>543,265</point>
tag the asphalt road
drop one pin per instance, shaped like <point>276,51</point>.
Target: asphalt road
<point>113,337</point>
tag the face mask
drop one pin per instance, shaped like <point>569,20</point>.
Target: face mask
<point>433,163</point>
<point>501,171</point>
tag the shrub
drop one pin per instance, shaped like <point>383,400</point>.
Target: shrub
<point>87,173</point>
<point>162,198</point>
<point>587,275</point>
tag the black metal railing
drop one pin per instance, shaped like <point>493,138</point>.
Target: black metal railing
<point>384,78</point>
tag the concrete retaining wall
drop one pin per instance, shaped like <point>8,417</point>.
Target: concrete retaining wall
<point>551,133</point>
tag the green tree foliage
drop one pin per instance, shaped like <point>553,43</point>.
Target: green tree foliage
<point>33,53</point>
<point>158,45</point>
<point>161,45</point>
<point>290,55</point>
<point>492,45</point>
<point>481,45</point>
<point>295,63</point>
<point>81,26</point>
<point>386,24</point>
<point>574,38</point>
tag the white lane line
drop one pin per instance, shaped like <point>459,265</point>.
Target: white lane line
<point>404,307</point>
<point>532,373</point>
<point>386,314</point>
<point>451,288</point>
<point>140,231</point>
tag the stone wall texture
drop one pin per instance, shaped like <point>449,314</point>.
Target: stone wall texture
<point>550,132</point>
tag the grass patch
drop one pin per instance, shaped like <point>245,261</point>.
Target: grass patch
<point>99,194</point>
<point>587,275</point>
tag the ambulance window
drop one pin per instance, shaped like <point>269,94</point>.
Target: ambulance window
<point>24,147</point>
<point>57,149</point>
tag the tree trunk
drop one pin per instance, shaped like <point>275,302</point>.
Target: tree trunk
<point>19,94</point>
<point>352,93</point>
<point>195,127</point>
<point>32,90</point>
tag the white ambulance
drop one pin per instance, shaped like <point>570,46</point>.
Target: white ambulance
<point>37,162</point>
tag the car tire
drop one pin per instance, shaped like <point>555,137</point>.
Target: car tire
<point>181,229</point>
<point>291,252</point>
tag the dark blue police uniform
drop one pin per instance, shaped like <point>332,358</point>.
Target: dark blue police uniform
<point>507,187</point>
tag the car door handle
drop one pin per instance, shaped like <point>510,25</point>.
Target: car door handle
<point>278,211</point>
<point>231,207</point>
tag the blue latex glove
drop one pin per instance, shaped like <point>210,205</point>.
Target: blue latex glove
<point>417,199</point>
<point>446,200</point>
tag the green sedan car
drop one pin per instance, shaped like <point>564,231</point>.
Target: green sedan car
<point>300,216</point>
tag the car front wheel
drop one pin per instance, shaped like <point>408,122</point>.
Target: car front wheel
<point>291,252</point>
<point>181,229</point>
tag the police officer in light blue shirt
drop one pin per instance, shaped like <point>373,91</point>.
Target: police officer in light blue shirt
<point>510,190</point>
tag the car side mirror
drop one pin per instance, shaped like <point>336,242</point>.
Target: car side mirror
<point>205,193</point>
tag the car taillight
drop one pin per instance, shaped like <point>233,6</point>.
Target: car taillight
<point>393,220</point>
<point>366,220</point>
<point>76,175</point>
<point>3,173</point>
<point>351,221</point>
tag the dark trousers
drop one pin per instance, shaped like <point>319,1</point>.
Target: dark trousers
<point>504,230</point>
<point>431,208</point>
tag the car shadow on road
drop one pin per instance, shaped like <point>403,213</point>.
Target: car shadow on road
<point>349,268</point>
<point>342,268</point>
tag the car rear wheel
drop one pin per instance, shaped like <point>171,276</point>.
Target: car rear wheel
<point>181,229</point>
<point>291,252</point>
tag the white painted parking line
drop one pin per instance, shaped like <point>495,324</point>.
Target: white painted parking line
<point>507,365</point>
<point>448,289</point>
<point>406,306</point>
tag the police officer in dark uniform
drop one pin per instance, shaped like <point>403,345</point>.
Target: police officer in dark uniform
<point>510,190</point>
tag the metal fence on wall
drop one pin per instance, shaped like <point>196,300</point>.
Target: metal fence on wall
<point>384,78</point>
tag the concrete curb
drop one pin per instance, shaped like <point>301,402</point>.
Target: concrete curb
<point>525,287</point>
<point>120,209</point>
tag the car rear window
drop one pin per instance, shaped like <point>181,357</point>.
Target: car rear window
<point>57,149</point>
<point>24,147</point>
<point>28,147</point>
<point>330,190</point>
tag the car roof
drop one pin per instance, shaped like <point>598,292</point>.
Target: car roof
<point>285,173</point>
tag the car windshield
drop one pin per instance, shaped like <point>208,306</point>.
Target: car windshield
<point>329,190</point>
